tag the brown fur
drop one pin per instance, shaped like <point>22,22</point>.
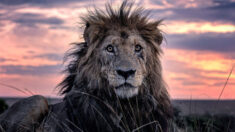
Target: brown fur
<point>84,70</point>
<point>98,24</point>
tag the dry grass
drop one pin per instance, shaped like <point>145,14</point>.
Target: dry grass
<point>190,123</point>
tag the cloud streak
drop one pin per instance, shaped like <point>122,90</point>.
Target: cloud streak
<point>205,42</point>
<point>30,70</point>
<point>214,12</point>
<point>48,56</point>
<point>44,3</point>
<point>31,19</point>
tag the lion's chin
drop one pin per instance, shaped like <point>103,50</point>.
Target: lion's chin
<point>126,91</point>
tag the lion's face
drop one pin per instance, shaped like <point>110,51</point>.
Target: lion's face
<point>124,55</point>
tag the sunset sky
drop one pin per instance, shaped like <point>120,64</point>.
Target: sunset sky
<point>199,46</point>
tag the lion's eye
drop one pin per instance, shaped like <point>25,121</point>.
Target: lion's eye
<point>110,48</point>
<point>138,48</point>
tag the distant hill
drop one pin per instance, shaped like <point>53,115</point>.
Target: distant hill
<point>186,107</point>
<point>11,100</point>
<point>211,107</point>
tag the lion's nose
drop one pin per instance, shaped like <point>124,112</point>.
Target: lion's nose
<point>126,74</point>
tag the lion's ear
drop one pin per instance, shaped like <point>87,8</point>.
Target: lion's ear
<point>151,32</point>
<point>154,32</point>
<point>158,38</point>
<point>91,33</point>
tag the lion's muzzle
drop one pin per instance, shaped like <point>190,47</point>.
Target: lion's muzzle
<point>125,73</point>
<point>127,82</point>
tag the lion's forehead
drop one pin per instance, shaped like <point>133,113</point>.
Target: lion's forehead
<point>120,36</point>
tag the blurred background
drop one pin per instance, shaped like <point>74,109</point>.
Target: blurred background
<point>199,50</point>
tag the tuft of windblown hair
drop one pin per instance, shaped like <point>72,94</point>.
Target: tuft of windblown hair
<point>73,55</point>
<point>125,16</point>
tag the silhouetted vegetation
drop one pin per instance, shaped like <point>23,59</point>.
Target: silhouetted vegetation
<point>3,106</point>
<point>205,123</point>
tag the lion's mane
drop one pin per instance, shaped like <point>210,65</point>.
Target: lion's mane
<point>87,91</point>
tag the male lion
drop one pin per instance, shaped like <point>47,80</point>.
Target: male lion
<point>114,81</point>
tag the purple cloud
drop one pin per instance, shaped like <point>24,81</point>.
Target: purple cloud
<point>30,70</point>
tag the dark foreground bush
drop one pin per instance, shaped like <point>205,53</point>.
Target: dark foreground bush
<point>3,106</point>
<point>205,123</point>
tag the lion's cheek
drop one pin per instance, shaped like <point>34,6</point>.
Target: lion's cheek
<point>136,81</point>
<point>114,81</point>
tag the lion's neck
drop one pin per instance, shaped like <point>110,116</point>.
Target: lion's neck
<point>132,112</point>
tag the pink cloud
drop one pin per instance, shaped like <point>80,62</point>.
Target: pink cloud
<point>34,37</point>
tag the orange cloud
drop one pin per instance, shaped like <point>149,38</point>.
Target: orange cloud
<point>182,27</point>
<point>200,74</point>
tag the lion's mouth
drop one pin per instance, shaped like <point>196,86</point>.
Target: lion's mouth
<point>125,85</point>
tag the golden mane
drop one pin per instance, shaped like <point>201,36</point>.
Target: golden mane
<point>84,64</point>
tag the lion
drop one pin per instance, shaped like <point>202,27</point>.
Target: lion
<point>113,80</point>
